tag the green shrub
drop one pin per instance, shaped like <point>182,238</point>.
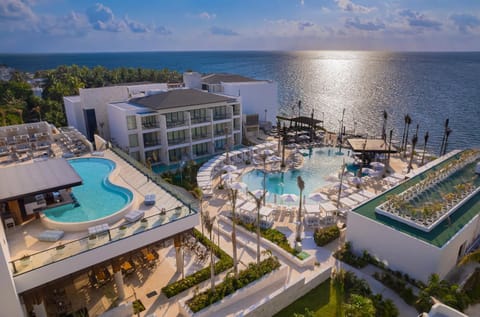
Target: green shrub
<point>472,286</point>
<point>398,285</point>
<point>252,273</point>
<point>272,235</point>
<point>326,235</point>
<point>346,255</point>
<point>225,262</point>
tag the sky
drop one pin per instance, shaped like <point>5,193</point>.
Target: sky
<point>31,26</point>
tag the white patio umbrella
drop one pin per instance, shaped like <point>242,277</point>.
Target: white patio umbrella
<point>304,137</point>
<point>259,192</point>
<point>229,168</point>
<point>228,176</point>
<point>318,197</point>
<point>356,180</point>
<point>337,185</point>
<point>368,171</point>
<point>268,152</point>
<point>238,186</point>
<point>289,198</point>
<point>377,165</point>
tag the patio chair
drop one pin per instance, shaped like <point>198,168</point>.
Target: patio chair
<point>149,199</point>
<point>134,215</point>
<point>50,235</point>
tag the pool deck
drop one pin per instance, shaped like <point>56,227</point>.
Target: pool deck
<point>22,239</point>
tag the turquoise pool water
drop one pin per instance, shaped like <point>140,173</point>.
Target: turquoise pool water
<point>320,163</point>
<point>97,197</point>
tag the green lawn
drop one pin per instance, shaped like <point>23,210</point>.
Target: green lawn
<point>322,300</point>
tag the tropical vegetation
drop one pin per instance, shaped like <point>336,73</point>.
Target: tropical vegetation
<point>18,103</point>
<point>326,235</point>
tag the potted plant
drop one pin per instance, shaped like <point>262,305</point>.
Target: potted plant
<point>144,222</point>
<point>178,210</point>
<point>122,229</point>
<point>25,259</point>
<point>91,239</point>
<point>59,248</point>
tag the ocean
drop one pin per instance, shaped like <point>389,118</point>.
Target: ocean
<point>430,87</point>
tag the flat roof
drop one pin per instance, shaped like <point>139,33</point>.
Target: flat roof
<point>179,98</point>
<point>371,145</point>
<point>37,177</point>
<point>446,229</point>
<point>225,78</point>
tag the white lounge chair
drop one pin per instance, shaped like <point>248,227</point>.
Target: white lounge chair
<point>134,215</point>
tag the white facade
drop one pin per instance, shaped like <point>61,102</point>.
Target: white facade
<point>97,99</point>
<point>155,139</point>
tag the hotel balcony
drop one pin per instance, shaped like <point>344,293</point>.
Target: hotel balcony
<point>199,120</point>
<point>200,137</point>
<point>220,117</point>
<point>44,266</point>
<point>177,141</point>
<point>151,143</point>
<point>176,124</point>
<point>150,125</point>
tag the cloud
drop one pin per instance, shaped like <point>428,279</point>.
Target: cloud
<point>420,21</point>
<point>303,25</point>
<point>364,26</point>
<point>349,6</point>
<point>162,30</point>
<point>207,16</point>
<point>465,22</point>
<point>102,19</point>
<point>136,27</point>
<point>302,2</point>
<point>15,10</point>
<point>216,30</point>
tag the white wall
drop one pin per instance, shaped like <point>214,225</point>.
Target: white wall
<point>400,251</point>
<point>256,97</point>
<point>118,127</point>
<point>9,301</point>
<point>71,103</point>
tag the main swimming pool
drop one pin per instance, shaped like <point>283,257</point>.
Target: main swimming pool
<point>318,165</point>
<point>97,196</point>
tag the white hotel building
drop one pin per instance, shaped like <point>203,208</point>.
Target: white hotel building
<point>175,125</point>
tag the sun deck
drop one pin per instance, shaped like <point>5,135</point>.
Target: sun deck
<point>446,228</point>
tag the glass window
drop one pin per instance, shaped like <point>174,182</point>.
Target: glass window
<point>135,155</point>
<point>132,140</point>
<point>131,122</point>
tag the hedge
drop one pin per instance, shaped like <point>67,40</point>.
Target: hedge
<point>225,262</point>
<point>272,235</point>
<point>252,273</point>
<point>326,235</point>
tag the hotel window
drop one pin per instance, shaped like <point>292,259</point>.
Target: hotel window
<point>174,117</point>
<point>200,149</point>
<point>220,113</point>
<point>198,115</point>
<point>199,133</point>
<point>176,137</point>
<point>132,140</point>
<point>135,155</point>
<point>131,123</point>
<point>176,155</point>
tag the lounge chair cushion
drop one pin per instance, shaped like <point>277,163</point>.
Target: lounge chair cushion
<point>98,229</point>
<point>134,215</point>
<point>51,235</point>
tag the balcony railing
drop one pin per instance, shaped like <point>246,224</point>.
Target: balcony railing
<point>34,261</point>
<point>219,133</point>
<point>200,120</point>
<point>176,141</point>
<point>200,136</point>
<point>150,143</point>
<point>223,116</point>
<point>173,124</point>
<point>150,125</point>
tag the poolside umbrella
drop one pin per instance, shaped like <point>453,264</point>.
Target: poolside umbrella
<point>238,186</point>
<point>228,176</point>
<point>356,180</point>
<point>268,152</point>
<point>229,168</point>
<point>337,185</point>
<point>275,158</point>
<point>259,192</point>
<point>377,165</point>
<point>368,171</point>
<point>289,198</point>
<point>318,197</point>
<point>304,137</point>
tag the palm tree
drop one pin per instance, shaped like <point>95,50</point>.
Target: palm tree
<point>414,143</point>
<point>384,128</point>
<point>258,202</point>
<point>404,130</point>
<point>208,223</point>
<point>425,139</point>
<point>408,121</point>
<point>301,186</point>
<point>233,200</point>
<point>470,258</point>
<point>359,306</point>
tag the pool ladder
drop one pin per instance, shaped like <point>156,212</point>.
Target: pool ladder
<point>74,200</point>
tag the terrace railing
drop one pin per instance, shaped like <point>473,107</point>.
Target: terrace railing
<point>55,254</point>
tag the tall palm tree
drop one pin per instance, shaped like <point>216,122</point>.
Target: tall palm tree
<point>425,139</point>
<point>414,143</point>
<point>301,186</point>
<point>409,122</point>
<point>233,200</point>
<point>404,130</point>
<point>258,202</point>
<point>208,223</point>
<point>384,128</point>
<point>470,258</point>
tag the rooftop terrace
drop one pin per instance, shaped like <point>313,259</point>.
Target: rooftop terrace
<point>444,229</point>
